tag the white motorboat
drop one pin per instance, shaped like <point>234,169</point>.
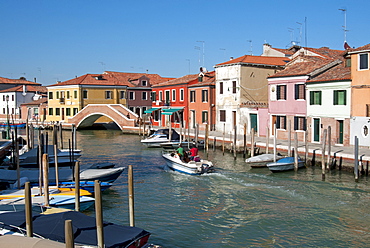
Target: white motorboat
<point>262,158</point>
<point>161,136</point>
<point>192,167</point>
<point>284,164</point>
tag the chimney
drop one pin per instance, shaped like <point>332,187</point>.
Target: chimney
<point>231,58</point>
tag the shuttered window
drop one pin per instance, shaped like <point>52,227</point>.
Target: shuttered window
<point>281,92</point>
<point>223,115</point>
<point>339,97</point>
<point>299,123</point>
<point>299,91</point>
<point>315,97</point>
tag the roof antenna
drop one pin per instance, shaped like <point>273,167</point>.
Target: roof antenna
<point>344,10</point>
<point>251,48</point>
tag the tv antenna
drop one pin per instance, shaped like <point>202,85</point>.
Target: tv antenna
<point>250,47</point>
<point>344,10</point>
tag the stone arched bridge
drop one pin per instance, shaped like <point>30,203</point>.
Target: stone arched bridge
<point>118,113</point>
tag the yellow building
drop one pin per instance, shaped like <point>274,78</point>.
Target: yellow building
<point>65,99</point>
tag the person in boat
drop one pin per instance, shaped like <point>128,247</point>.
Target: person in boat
<point>193,152</point>
<point>180,152</point>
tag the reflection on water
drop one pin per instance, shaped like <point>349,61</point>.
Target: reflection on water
<point>235,207</point>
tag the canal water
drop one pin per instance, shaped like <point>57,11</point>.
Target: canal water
<point>236,206</point>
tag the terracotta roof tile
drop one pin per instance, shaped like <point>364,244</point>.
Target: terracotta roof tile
<point>16,81</point>
<point>181,80</point>
<point>359,49</point>
<point>336,73</point>
<point>29,88</point>
<point>259,60</point>
<point>110,78</point>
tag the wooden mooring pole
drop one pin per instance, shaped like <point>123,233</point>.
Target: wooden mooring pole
<point>289,139</point>
<point>245,141</point>
<point>68,234</point>
<point>252,142</point>
<point>130,181</point>
<point>28,199</point>
<point>295,151</point>
<point>329,149</point>
<point>267,139</point>
<point>45,171</point>
<point>323,154</point>
<point>99,214</point>
<point>234,143</point>
<point>356,159</point>
<point>77,186</point>
<point>223,140</point>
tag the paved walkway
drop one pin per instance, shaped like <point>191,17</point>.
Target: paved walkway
<point>346,152</point>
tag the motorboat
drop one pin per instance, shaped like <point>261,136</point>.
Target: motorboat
<point>51,227</point>
<point>86,185</point>
<point>285,164</point>
<point>190,167</point>
<point>13,125</point>
<point>176,144</point>
<point>260,161</point>
<point>64,174</point>
<point>161,136</point>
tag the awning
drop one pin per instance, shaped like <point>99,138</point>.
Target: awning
<point>170,111</point>
<point>149,111</point>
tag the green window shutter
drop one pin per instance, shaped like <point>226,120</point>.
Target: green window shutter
<point>335,102</point>
<point>312,97</point>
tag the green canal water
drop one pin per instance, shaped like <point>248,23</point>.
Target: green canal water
<point>236,206</point>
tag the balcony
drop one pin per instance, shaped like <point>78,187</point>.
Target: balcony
<point>62,100</point>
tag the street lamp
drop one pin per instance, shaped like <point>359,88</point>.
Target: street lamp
<point>7,117</point>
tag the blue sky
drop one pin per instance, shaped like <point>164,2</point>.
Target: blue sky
<point>58,40</point>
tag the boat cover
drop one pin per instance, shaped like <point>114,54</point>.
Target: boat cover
<point>175,135</point>
<point>84,228</point>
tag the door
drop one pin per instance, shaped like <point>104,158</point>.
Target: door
<point>316,130</point>
<point>254,122</point>
<point>340,131</point>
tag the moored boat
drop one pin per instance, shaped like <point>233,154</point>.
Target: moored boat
<point>65,174</point>
<point>285,164</point>
<point>161,136</point>
<point>192,167</point>
<point>84,229</point>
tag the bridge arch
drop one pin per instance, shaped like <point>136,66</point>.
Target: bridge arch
<point>118,113</point>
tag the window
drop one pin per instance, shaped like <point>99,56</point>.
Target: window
<point>122,94</point>
<point>167,92</point>
<point>144,83</point>
<point>281,92</point>
<point>299,123</point>
<point>68,94</point>
<point>223,115</point>
<point>57,95</point>
<point>4,111</point>
<point>192,96</point>
<point>340,97</point>
<point>173,95</point>
<point>68,111</point>
<point>153,96</point>
<point>57,111</point>
<point>234,87</point>
<point>75,111</point>
<point>348,62</point>
<point>204,95</point>
<point>181,94</point>
<point>221,87</point>
<point>160,96</point>
<point>204,116</point>
<point>50,111</point>
<point>144,95</point>
<point>75,94</point>
<point>50,95</point>
<point>84,94</point>
<point>299,92</point>
<point>108,94</point>
<point>281,122</point>
<point>315,97</point>
<point>131,95</point>
<point>364,61</point>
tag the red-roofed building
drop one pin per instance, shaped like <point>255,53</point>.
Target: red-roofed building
<point>311,93</point>
<point>358,58</point>
<point>11,99</point>
<point>172,95</point>
<point>241,92</point>
<point>132,90</point>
